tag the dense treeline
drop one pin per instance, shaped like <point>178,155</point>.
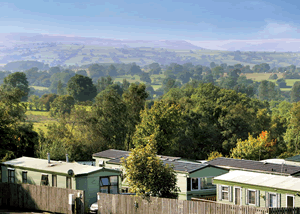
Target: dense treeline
<point>201,110</point>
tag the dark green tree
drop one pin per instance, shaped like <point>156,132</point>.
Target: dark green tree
<point>60,88</point>
<point>81,88</point>
<point>295,93</point>
<point>62,105</point>
<point>145,77</point>
<point>47,99</point>
<point>17,138</point>
<point>112,71</point>
<point>17,80</point>
<point>134,98</point>
<point>103,83</point>
<point>54,70</point>
<point>135,69</point>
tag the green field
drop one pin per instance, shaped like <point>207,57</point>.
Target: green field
<point>40,119</point>
<point>39,87</point>
<point>265,76</point>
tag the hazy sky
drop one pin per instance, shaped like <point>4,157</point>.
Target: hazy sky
<point>136,19</point>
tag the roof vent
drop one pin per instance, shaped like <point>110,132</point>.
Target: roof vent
<point>70,172</point>
<point>48,154</point>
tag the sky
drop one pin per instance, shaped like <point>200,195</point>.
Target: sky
<point>190,20</point>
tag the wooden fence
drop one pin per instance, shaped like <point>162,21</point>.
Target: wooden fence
<point>126,204</point>
<point>44,198</point>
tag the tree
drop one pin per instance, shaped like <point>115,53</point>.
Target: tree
<point>47,99</point>
<point>293,131</point>
<point>217,71</point>
<point>268,91</point>
<point>109,119</point>
<point>273,77</point>
<point>169,83</point>
<point>60,88</point>
<point>295,93</point>
<point>281,83</point>
<point>163,122</point>
<point>62,105</point>
<point>125,84</point>
<point>135,69</point>
<point>103,83</point>
<point>35,100</point>
<point>145,77</point>
<point>81,88</point>
<point>17,80</point>
<point>258,148</point>
<point>155,68</point>
<point>214,155</point>
<point>134,98</point>
<point>96,71</point>
<point>54,70</point>
<point>147,175</point>
<point>112,71</point>
<point>16,138</point>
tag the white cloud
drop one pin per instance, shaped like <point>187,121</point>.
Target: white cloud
<point>278,30</point>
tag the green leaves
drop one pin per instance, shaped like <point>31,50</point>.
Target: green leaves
<point>147,175</point>
<point>81,88</point>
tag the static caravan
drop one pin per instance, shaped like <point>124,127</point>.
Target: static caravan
<point>62,174</point>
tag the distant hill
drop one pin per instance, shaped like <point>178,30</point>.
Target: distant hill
<point>52,50</point>
<point>19,38</point>
<point>279,45</point>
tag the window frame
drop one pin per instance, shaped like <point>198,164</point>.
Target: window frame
<point>223,199</point>
<point>47,180</point>
<point>109,185</point>
<point>248,198</point>
<point>241,193</point>
<point>276,204</point>
<point>212,177</point>
<point>9,171</point>
<point>54,176</point>
<point>289,195</point>
<point>24,180</point>
<point>198,181</point>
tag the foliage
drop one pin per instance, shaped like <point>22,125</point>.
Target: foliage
<point>62,105</point>
<point>163,121</point>
<point>147,175</point>
<point>16,138</point>
<point>81,88</point>
<point>134,98</point>
<point>35,101</point>
<point>103,83</point>
<point>47,99</point>
<point>295,93</point>
<point>293,131</point>
<point>17,80</point>
<point>258,148</point>
<point>214,155</point>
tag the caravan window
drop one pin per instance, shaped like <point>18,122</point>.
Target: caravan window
<point>24,177</point>
<point>11,176</point>
<point>44,180</point>
<point>251,197</point>
<point>109,184</point>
